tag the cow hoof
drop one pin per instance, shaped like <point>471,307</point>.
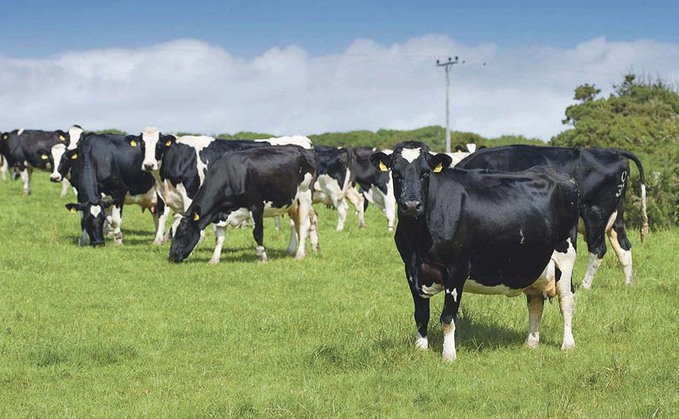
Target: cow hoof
<point>158,242</point>
<point>362,226</point>
<point>532,342</point>
<point>567,344</point>
<point>213,261</point>
<point>300,256</point>
<point>422,343</point>
<point>449,356</point>
<point>390,229</point>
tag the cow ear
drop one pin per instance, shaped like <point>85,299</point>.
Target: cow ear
<point>167,140</point>
<point>439,162</point>
<point>132,140</point>
<point>44,154</point>
<point>61,135</point>
<point>380,161</point>
<point>73,207</point>
<point>195,213</point>
<point>5,136</point>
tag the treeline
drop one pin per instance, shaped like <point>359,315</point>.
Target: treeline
<point>641,116</point>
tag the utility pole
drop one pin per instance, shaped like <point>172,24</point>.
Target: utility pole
<point>446,65</point>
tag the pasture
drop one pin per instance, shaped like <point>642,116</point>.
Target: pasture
<point>119,331</point>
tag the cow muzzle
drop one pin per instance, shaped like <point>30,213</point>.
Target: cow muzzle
<point>55,177</point>
<point>411,208</point>
<point>149,167</point>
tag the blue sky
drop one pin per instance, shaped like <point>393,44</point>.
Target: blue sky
<point>294,67</point>
<point>248,28</point>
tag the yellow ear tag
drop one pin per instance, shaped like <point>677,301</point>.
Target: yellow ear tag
<point>133,143</point>
<point>74,157</point>
<point>44,157</point>
<point>438,168</point>
<point>168,143</point>
<point>4,137</point>
<point>73,210</point>
<point>196,217</point>
<point>383,167</point>
<point>62,138</point>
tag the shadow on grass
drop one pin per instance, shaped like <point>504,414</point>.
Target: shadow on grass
<point>478,336</point>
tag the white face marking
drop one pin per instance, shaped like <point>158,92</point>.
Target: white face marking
<point>57,151</point>
<point>95,210</point>
<point>21,131</point>
<point>150,136</point>
<point>410,154</point>
<point>74,134</point>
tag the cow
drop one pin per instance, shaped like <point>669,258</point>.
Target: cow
<point>336,182</point>
<point>376,186</point>
<point>602,175</point>
<point>106,172</point>
<point>179,165</point>
<point>26,150</point>
<point>482,232</point>
<point>266,181</point>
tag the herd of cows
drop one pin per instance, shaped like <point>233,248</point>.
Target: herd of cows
<point>499,220</point>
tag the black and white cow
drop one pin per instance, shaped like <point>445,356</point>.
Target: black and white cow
<point>266,181</point>
<point>26,150</point>
<point>376,185</point>
<point>106,165</point>
<point>482,232</point>
<point>179,165</point>
<point>336,182</point>
<point>602,176</point>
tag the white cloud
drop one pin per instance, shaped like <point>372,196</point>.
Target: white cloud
<point>189,85</point>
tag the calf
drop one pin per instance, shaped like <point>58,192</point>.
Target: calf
<point>107,165</point>
<point>602,176</point>
<point>336,182</point>
<point>265,181</point>
<point>483,232</point>
<point>376,186</point>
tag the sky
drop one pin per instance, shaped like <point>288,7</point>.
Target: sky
<point>298,67</point>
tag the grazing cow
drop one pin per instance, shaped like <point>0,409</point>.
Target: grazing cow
<point>179,165</point>
<point>484,232</point>
<point>336,182</point>
<point>376,186</point>
<point>602,176</point>
<point>26,150</point>
<point>266,181</point>
<point>107,165</point>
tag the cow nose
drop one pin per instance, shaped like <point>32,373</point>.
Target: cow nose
<point>411,207</point>
<point>148,167</point>
<point>55,178</point>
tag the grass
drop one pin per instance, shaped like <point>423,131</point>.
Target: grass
<point>119,331</point>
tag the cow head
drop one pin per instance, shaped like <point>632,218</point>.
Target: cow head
<point>154,145</point>
<point>63,160</point>
<point>93,217</point>
<point>73,136</point>
<point>411,165</point>
<point>187,235</point>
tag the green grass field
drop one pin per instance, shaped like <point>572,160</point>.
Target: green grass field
<point>119,331</point>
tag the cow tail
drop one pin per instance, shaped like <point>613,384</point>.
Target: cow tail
<point>642,181</point>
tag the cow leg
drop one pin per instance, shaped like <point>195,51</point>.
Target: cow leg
<point>390,210</point>
<point>304,200</point>
<point>451,305</point>
<point>313,229</point>
<point>258,231</point>
<point>342,208</point>
<point>422,313</point>
<point>116,221</point>
<point>622,246</point>
<point>595,230</point>
<point>292,244</point>
<point>220,234</point>
<point>357,201</point>
<point>65,186</point>
<point>26,180</point>
<point>162,220</point>
<point>3,167</point>
<point>536,304</point>
<point>277,223</point>
<point>565,261</point>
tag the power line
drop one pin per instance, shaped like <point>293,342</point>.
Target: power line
<point>447,65</point>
